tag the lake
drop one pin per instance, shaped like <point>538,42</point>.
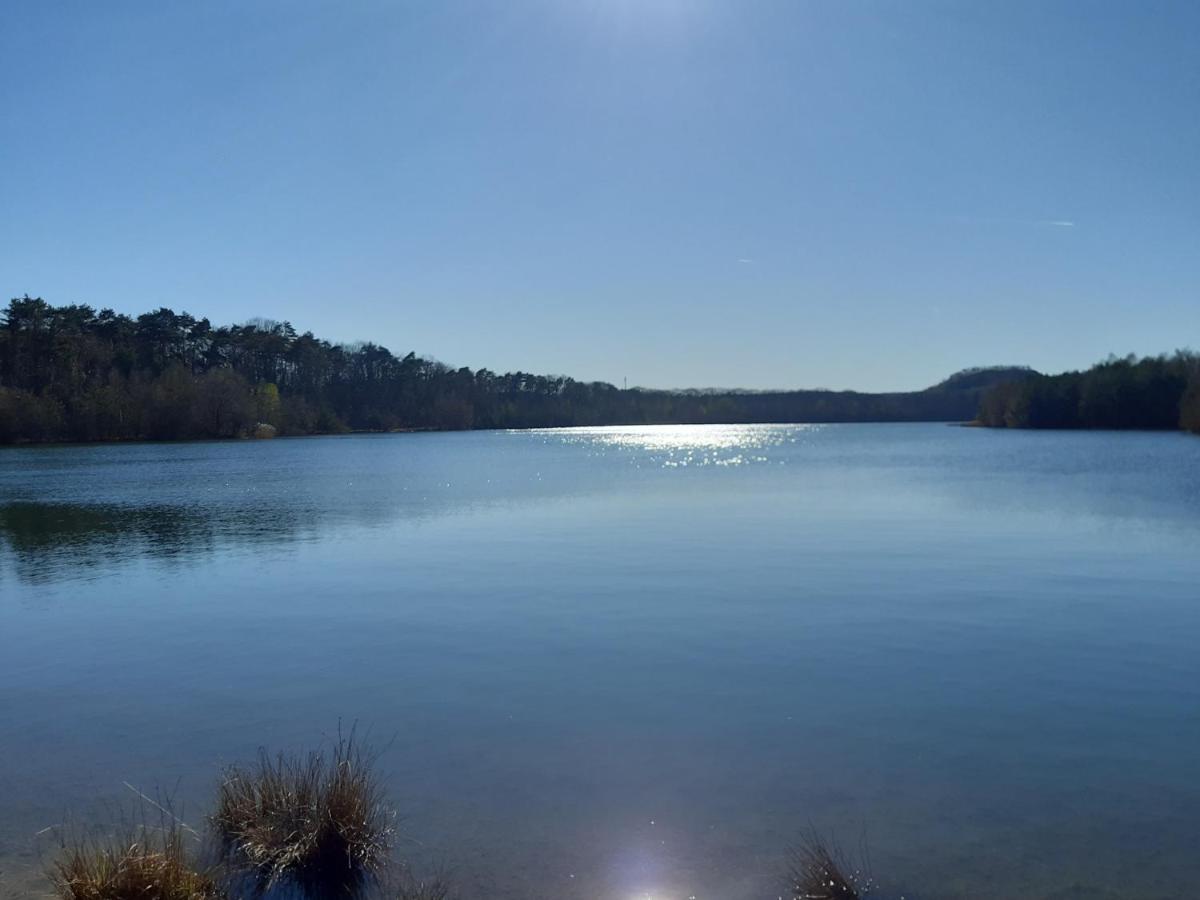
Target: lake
<point>627,663</point>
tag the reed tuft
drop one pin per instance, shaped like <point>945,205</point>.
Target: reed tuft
<point>139,863</point>
<point>819,871</point>
<point>315,824</point>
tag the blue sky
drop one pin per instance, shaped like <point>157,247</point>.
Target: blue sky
<point>756,194</point>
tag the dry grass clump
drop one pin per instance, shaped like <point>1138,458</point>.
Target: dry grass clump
<point>138,864</point>
<point>818,871</point>
<point>316,824</point>
<point>434,889</point>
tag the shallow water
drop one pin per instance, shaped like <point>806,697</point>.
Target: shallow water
<point>632,662</point>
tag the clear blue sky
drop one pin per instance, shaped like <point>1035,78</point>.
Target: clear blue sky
<point>758,194</point>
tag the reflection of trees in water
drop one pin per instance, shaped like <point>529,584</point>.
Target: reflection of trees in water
<point>53,541</point>
<point>49,541</point>
<point>46,538</point>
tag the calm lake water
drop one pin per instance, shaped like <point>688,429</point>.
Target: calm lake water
<point>632,662</point>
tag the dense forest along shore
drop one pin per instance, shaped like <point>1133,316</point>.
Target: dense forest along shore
<point>70,373</point>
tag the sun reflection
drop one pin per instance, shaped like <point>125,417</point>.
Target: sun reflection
<point>679,446</point>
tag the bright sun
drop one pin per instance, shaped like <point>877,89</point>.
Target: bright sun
<point>643,15</point>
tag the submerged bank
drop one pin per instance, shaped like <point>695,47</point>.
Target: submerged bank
<point>316,826</point>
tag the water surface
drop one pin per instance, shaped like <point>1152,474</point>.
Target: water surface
<point>632,662</point>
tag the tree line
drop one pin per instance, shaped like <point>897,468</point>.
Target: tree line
<point>1154,392</point>
<point>72,373</point>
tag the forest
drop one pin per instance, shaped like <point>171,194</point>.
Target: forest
<point>72,373</point>
<point>1154,392</point>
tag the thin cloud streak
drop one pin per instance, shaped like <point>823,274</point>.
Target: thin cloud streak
<point>1024,223</point>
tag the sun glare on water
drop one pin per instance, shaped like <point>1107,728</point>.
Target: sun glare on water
<point>674,446</point>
